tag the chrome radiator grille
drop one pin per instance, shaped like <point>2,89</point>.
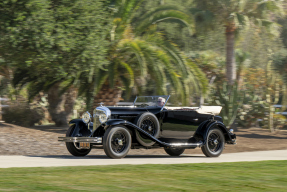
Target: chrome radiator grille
<point>98,112</point>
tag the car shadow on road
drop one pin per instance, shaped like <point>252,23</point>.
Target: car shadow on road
<point>127,157</point>
<point>4,125</point>
<point>258,136</point>
<point>50,128</point>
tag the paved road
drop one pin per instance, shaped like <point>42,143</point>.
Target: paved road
<point>51,161</point>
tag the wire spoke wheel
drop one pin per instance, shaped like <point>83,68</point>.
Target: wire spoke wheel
<point>214,143</point>
<point>174,151</point>
<point>149,126</point>
<point>117,142</point>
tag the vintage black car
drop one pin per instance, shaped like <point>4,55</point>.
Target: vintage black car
<point>148,123</point>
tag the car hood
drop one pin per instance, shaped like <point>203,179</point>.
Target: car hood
<point>133,110</point>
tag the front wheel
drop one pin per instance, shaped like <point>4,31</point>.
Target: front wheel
<point>174,151</point>
<point>73,148</point>
<point>117,142</point>
<point>214,143</point>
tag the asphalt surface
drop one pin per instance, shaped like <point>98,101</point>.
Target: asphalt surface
<point>55,161</point>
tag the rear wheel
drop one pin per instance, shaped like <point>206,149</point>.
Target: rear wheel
<point>73,147</point>
<point>214,143</point>
<point>174,151</point>
<point>117,142</point>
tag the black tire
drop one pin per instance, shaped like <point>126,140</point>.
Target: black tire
<point>149,123</point>
<point>215,142</point>
<point>174,151</point>
<point>112,137</point>
<point>72,147</point>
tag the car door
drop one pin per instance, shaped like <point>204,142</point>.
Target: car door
<point>179,124</point>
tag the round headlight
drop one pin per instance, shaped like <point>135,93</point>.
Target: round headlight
<point>103,117</point>
<point>86,117</point>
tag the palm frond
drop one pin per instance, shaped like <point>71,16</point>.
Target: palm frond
<point>167,15</point>
<point>127,8</point>
<point>130,72</point>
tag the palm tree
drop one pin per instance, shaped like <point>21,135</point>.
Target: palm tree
<point>138,53</point>
<point>233,15</point>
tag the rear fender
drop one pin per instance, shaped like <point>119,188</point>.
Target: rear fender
<point>204,127</point>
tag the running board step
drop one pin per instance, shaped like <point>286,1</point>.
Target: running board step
<point>183,145</point>
<point>81,139</point>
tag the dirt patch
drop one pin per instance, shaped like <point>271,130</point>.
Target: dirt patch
<point>43,140</point>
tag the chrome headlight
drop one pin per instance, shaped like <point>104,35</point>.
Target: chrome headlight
<point>86,117</point>
<point>101,115</point>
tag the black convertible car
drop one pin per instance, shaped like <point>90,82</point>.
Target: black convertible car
<point>148,123</point>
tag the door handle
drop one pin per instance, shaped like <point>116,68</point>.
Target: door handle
<point>195,119</point>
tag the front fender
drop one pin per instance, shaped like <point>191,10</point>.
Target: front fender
<point>112,122</point>
<point>204,127</point>
<point>79,125</point>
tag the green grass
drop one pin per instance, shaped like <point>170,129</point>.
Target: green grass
<point>243,176</point>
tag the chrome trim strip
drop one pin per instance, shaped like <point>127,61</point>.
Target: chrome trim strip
<point>127,116</point>
<point>199,144</point>
<point>81,139</point>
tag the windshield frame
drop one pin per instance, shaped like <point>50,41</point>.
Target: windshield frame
<point>168,96</point>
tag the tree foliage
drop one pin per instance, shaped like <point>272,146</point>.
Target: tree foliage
<point>49,43</point>
<point>138,54</point>
<point>53,41</point>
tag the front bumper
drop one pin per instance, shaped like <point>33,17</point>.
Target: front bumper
<point>97,140</point>
<point>233,137</point>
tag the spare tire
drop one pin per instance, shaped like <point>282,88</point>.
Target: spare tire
<point>149,123</point>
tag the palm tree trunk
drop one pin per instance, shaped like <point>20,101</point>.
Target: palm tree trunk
<point>270,118</point>
<point>71,96</point>
<point>61,106</point>
<point>230,57</point>
<point>107,95</point>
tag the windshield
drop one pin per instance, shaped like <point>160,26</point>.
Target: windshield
<point>151,101</point>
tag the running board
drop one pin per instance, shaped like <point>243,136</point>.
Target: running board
<point>184,145</point>
<point>81,139</point>
<point>164,144</point>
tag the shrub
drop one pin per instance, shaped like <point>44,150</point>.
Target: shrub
<point>21,114</point>
<point>279,121</point>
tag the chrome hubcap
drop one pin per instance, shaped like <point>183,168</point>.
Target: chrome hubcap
<point>214,142</point>
<point>149,128</point>
<point>120,142</point>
